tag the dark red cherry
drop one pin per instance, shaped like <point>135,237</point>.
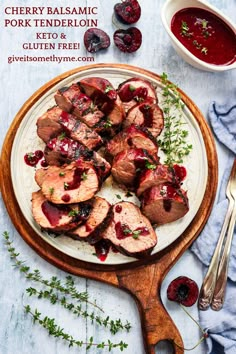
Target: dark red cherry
<point>95,39</point>
<point>128,11</point>
<point>183,290</point>
<point>128,41</point>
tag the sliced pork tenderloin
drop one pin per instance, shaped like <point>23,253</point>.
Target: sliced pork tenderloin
<point>146,114</point>
<point>61,151</point>
<point>132,137</point>
<point>72,183</point>
<point>91,230</point>
<point>130,231</point>
<point>164,203</point>
<point>72,100</point>
<point>48,124</point>
<point>57,218</point>
<point>104,95</point>
<point>153,177</point>
<point>128,164</point>
<point>79,131</point>
<point>65,97</point>
<point>55,122</point>
<point>136,90</point>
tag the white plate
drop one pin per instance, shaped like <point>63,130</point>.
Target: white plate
<point>26,140</point>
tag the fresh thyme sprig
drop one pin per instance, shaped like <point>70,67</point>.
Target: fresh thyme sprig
<point>56,331</point>
<point>67,287</point>
<point>114,325</point>
<point>174,139</point>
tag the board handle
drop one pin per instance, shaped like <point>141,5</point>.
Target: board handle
<point>157,325</point>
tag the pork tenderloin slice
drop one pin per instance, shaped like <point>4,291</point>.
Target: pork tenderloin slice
<point>65,97</point>
<point>79,131</point>
<point>63,151</point>
<point>130,231</point>
<point>72,183</point>
<point>48,124</point>
<point>132,137</point>
<point>128,164</point>
<point>105,97</point>
<point>72,100</point>
<point>40,174</point>
<point>148,115</point>
<point>164,204</point>
<point>136,90</point>
<point>154,177</point>
<point>98,89</point>
<point>57,218</point>
<point>91,230</point>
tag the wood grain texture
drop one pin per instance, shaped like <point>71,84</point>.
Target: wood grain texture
<point>143,278</point>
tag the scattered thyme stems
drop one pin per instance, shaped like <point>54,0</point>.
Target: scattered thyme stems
<point>58,332</point>
<point>66,287</point>
<point>114,326</point>
<point>174,139</point>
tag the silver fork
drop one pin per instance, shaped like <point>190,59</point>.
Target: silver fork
<point>213,286</point>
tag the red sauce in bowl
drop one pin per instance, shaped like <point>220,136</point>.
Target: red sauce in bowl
<point>205,35</point>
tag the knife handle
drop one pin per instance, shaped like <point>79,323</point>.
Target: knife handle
<point>209,282</point>
<point>219,293</point>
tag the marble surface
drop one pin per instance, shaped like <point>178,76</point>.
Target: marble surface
<point>18,82</point>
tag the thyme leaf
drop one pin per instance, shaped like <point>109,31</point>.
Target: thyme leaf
<point>66,287</point>
<point>174,141</point>
<point>56,331</point>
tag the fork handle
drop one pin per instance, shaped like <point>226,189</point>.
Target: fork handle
<point>219,293</point>
<point>208,285</point>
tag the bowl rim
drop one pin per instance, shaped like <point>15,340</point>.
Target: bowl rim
<point>215,11</point>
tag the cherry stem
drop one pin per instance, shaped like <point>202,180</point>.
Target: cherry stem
<point>183,308</point>
<point>195,346</point>
<point>202,330</point>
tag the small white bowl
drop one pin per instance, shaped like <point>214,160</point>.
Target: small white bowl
<point>170,8</point>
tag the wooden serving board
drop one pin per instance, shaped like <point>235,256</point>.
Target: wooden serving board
<point>142,279</point>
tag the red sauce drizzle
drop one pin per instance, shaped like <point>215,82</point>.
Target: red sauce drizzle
<point>118,208</point>
<point>44,163</point>
<point>123,231</point>
<point>168,193</point>
<point>65,198</point>
<point>147,114</point>
<point>88,228</point>
<point>180,172</point>
<point>205,35</point>
<point>128,93</point>
<point>32,158</point>
<point>75,183</point>
<point>102,249</point>
<point>54,212</point>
